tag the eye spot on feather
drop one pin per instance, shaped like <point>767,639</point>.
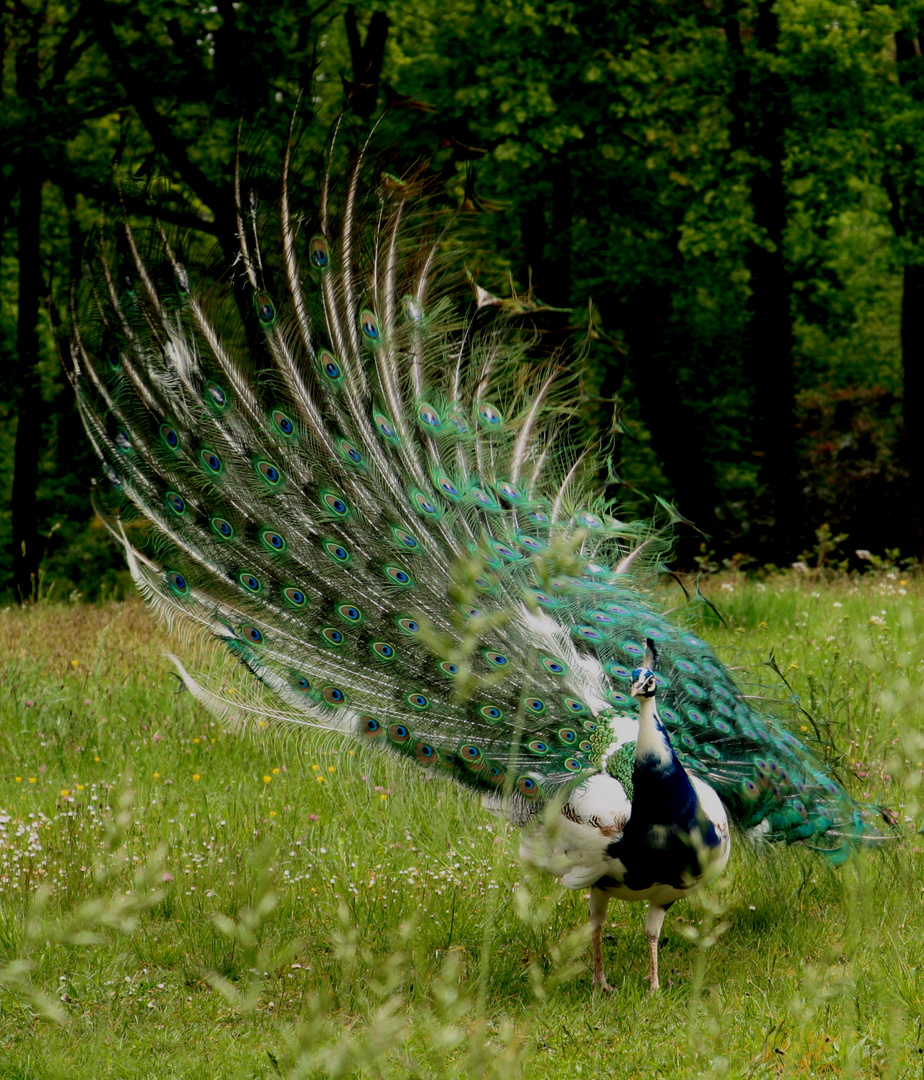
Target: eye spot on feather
<point>250,582</point>
<point>330,636</point>
<point>491,712</point>
<point>587,632</point>
<point>528,787</point>
<point>336,551</point>
<point>535,705</point>
<point>399,576</point>
<point>409,626</point>
<point>370,727</point>
<point>471,755</point>
<point>616,697</point>
<point>573,705</point>
<point>619,671</point>
<point>505,552</point>
<point>301,684</point>
<point>266,310</point>
<point>567,736</point>
<point>399,734</point>
<point>284,424</point>
<point>405,539</point>
<point>223,528</point>
<point>319,253</point>
<point>447,487</point>
<point>350,452</point>
<point>572,765</point>
<point>429,416</point>
<point>695,716</point>
<point>448,668</point>
<point>210,460</point>
<point>252,634</point>
<point>490,417</point>
<point>554,667</point>
<point>589,521</point>
<point>215,395</point>
<point>589,725</point>
<point>418,701</point>
<point>177,583</point>
<point>175,502</point>
<point>632,648</point>
<point>112,354</point>
<point>333,695</point>
<point>169,436</point>
<point>381,650</point>
<point>335,503</point>
<point>483,499</point>
<point>471,612</point>
<point>496,659</point>
<point>273,540</point>
<point>495,775</point>
<point>425,754</point>
<point>349,612</point>
<point>425,505</point>
<point>385,426</point>
<point>537,746</point>
<point>510,491</point>
<point>370,327</point>
<point>268,471</point>
<point>330,366</point>
<point>295,596</point>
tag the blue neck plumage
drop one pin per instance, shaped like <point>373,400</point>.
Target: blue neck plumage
<point>662,792</point>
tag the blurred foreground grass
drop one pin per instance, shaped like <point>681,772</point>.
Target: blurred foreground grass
<point>177,900</point>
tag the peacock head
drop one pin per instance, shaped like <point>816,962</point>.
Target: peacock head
<point>643,678</point>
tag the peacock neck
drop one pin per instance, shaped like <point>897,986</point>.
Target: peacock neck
<point>653,746</point>
<point>662,792</point>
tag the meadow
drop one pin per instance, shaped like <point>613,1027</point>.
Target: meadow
<point>182,900</point>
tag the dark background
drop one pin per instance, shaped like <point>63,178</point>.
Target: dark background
<point>725,198</point>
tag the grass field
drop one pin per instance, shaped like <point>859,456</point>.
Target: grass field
<point>179,900</point>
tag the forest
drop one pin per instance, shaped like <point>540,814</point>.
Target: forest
<point>719,202</point>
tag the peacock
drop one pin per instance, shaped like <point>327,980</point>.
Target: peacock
<point>656,833</point>
<point>356,469</point>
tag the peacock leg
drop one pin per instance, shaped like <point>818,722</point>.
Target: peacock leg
<point>598,905</point>
<point>654,920</point>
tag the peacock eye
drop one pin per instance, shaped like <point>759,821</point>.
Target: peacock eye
<point>370,326</point>
<point>169,436</point>
<point>283,423</point>
<point>319,253</point>
<point>266,311</point>
<point>329,365</point>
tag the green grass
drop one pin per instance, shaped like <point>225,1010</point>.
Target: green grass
<point>179,900</point>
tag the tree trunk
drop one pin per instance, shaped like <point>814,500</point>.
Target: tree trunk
<point>760,108</point>
<point>29,410</point>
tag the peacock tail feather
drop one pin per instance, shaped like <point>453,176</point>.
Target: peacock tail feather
<point>351,472</point>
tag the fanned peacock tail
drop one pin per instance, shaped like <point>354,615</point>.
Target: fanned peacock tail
<point>353,475</point>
